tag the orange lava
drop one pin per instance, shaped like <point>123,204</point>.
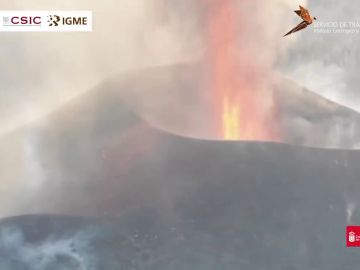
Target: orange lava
<point>242,109</point>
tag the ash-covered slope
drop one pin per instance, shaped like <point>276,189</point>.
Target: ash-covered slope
<point>212,206</point>
<point>160,201</point>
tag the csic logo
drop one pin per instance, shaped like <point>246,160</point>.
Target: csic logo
<point>22,20</point>
<point>55,20</point>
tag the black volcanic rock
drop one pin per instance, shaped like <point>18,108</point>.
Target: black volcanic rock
<point>143,198</point>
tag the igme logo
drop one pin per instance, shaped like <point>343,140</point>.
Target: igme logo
<point>46,21</point>
<point>75,21</point>
<point>53,20</point>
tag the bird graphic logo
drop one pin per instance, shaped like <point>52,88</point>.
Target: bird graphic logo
<point>307,20</point>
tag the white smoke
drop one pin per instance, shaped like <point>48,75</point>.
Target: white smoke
<point>41,71</point>
<point>74,249</point>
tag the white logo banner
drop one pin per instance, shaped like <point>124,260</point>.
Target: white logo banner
<point>45,21</point>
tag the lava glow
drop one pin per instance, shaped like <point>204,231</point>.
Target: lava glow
<point>230,120</point>
<point>242,109</point>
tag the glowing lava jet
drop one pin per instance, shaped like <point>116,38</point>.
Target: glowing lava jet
<point>244,110</point>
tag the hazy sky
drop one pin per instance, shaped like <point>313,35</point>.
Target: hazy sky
<point>42,70</point>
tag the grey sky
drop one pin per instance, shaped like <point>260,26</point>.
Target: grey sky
<point>328,63</point>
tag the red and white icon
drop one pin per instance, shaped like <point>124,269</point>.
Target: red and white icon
<point>353,236</point>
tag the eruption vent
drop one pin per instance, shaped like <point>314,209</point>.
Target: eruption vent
<point>243,105</point>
